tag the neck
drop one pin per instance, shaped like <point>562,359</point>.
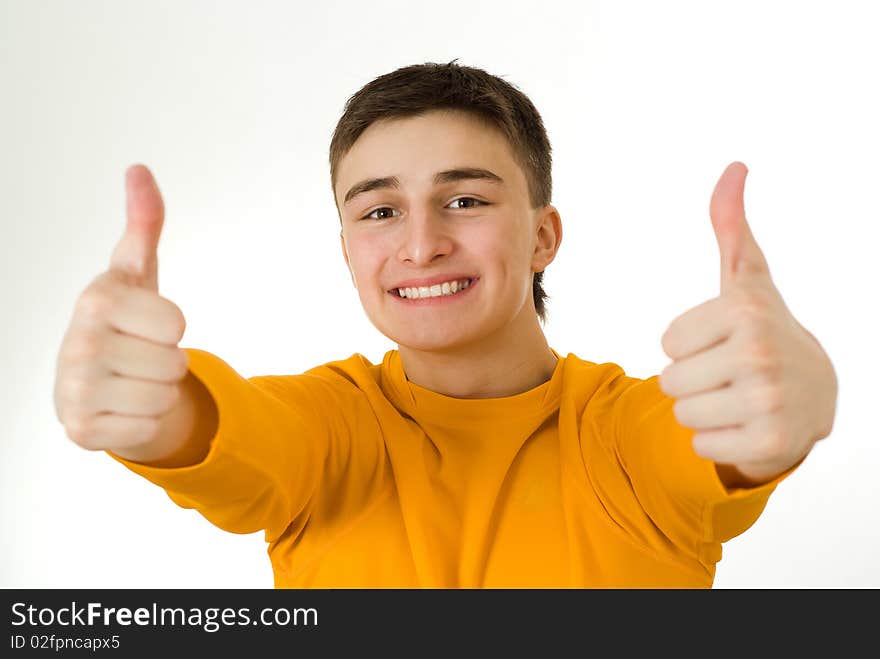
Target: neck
<point>513,360</point>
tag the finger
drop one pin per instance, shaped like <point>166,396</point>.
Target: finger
<point>698,329</point>
<point>120,395</point>
<point>150,317</point>
<point>744,445</point>
<point>136,254</point>
<point>751,444</point>
<point>710,369</point>
<point>718,408</point>
<point>114,431</point>
<point>723,445</point>
<point>110,304</point>
<point>133,357</point>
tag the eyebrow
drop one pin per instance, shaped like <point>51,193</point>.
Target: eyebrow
<point>446,176</point>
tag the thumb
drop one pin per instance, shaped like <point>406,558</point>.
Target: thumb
<point>737,247</point>
<point>136,254</point>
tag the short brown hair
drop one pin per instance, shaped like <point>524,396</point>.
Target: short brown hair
<point>419,88</point>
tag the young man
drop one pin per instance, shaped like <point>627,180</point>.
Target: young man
<point>473,455</point>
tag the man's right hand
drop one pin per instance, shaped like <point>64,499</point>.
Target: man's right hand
<point>119,371</point>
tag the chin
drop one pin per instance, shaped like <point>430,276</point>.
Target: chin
<point>437,345</point>
<point>429,339</point>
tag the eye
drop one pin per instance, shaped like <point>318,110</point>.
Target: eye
<point>476,201</point>
<point>370,215</point>
<point>385,209</point>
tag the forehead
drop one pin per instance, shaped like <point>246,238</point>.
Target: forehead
<point>415,148</point>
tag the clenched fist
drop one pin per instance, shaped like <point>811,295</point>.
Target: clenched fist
<point>119,371</point>
<point>755,385</point>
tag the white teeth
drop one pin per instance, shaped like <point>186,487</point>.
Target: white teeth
<point>437,290</point>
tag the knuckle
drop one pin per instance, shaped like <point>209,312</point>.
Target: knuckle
<point>146,429</point>
<point>773,445</point>
<point>78,430</point>
<point>760,358</point>
<point>765,399</point>
<point>667,382</point>
<point>85,347</point>
<point>96,303</point>
<point>745,306</point>
<point>58,405</point>
<point>171,395</point>
<point>679,410</point>
<point>666,343</point>
<point>77,389</point>
<point>765,363</point>
<point>774,400</point>
<point>179,322</point>
<point>183,366</point>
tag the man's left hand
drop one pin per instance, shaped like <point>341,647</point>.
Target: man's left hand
<point>755,385</point>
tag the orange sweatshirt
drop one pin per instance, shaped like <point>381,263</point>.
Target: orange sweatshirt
<point>362,479</point>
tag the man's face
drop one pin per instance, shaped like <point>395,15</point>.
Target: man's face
<point>429,232</point>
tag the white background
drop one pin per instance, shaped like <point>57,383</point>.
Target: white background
<point>232,106</point>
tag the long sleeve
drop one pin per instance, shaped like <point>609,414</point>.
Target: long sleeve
<point>679,490</point>
<point>265,460</point>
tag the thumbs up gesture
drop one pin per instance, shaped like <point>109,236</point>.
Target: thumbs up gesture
<point>119,369</point>
<point>755,385</point>
<point>136,254</point>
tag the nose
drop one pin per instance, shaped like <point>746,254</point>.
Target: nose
<point>425,238</point>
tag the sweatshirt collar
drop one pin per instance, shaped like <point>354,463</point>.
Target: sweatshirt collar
<point>419,402</point>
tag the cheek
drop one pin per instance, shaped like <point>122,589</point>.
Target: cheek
<point>503,251</point>
<point>365,257</point>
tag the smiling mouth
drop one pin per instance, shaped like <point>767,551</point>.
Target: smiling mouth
<point>437,292</point>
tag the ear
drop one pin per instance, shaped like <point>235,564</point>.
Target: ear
<point>548,237</point>
<point>345,256</point>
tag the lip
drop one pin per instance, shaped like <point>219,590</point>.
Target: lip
<point>440,299</point>
<point>431,281</point>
